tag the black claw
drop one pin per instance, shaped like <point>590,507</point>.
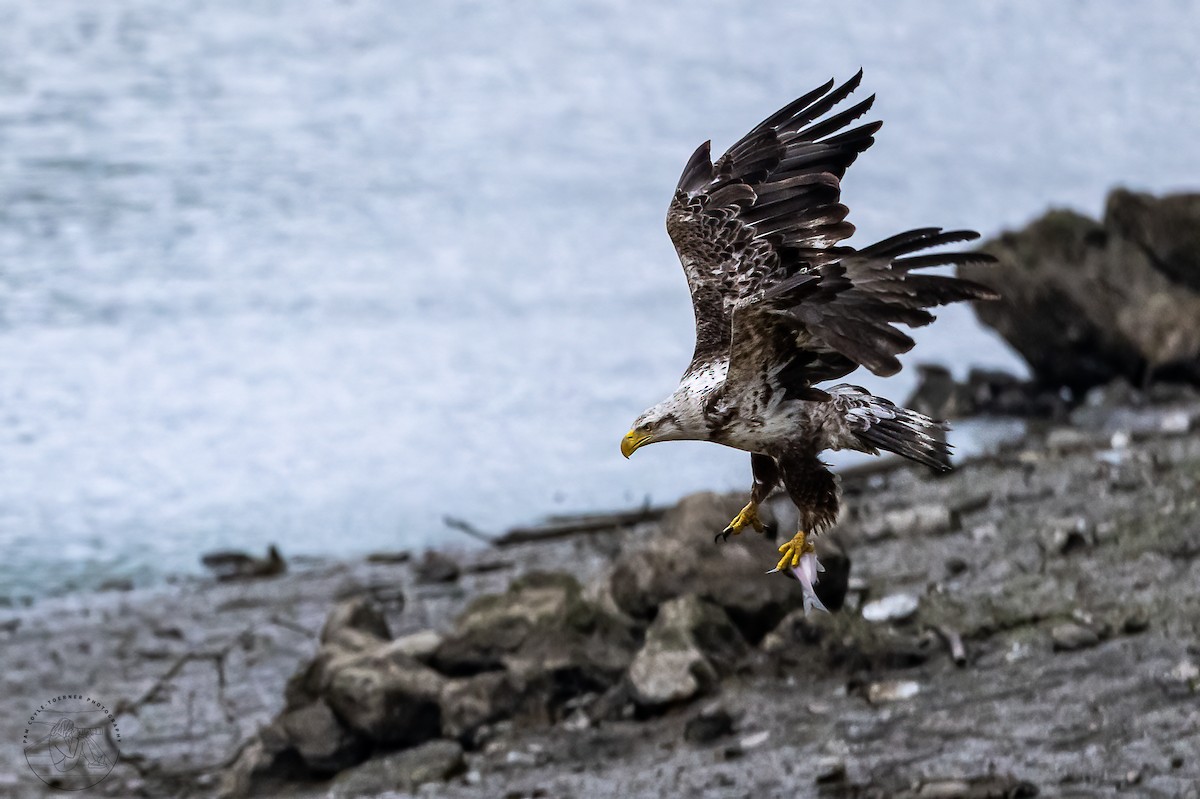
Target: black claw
<point>723,535</point>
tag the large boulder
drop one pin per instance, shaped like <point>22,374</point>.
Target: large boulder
<point>1086,302</point>
<point>683,559</point>
<point>689,646</point>
<point>551,643</point>
<point>392,700</point>
<point>320,740</point>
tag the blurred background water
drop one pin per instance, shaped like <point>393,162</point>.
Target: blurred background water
<point>318,273</point>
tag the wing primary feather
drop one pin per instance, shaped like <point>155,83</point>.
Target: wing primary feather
<point>839,121</point>
<point>821,106</point>
<point>941,259</point>
<point>792,108</point>
<point>698,172</point>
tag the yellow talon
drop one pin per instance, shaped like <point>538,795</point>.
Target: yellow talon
<point>795,549</point>
<point>747,517</point>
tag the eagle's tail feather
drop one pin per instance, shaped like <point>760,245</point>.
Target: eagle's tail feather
<point>881,424</point>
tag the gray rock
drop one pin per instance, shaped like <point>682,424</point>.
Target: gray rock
<point>1165,228</point>
<point>320,740</point>
<point>542,627</point>
<point>435,761</point>
<point>391,701</point>
<point>1066,535</point>
<point>687,647</point>
<point>469,703</point>
<point>708,725</point>
<point>1146,320</point>
<point>420,645</point>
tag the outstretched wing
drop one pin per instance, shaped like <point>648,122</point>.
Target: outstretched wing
<point>822,324</point>
<point>758,232</point>
<point>766,210</point>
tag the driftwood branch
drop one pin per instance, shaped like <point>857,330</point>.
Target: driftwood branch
<point>464,526</point>
<point>954,642</point>
<point>563,526</point>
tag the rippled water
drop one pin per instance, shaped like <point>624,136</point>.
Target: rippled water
<point>319,273</point>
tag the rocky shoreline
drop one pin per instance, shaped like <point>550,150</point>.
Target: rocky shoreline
<point>1029,622</point>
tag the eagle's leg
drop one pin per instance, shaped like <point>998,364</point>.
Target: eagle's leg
<point>766,477</point>
<point>813,490</point>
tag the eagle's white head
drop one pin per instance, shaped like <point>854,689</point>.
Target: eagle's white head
<point>680,417</point>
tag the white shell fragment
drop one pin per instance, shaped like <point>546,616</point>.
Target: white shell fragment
<point>892,691</point>
<point>895,607</point>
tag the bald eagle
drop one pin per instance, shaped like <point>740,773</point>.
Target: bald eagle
<point>781,308</point>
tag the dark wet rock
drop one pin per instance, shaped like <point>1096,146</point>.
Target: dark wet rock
<point>708,725</point>
<point>1136,621</point>
<point>985,391</point>
<point>470,703</point>
<point>116,584</point>
<point>829,771</point>
<point>1066,535</point>
<point>393,701</point>
<point>232,565</point>
<point>320,740</point>
<point>402,556</point>
<point>555,644</point>
<point>436,567</point>
<point>845,643</point>
<point>1146,321</point>
<point>938,394</point>
<point>683,559</point>
<point>435,761</point>
<point>955,566</point>
<point>1165,228</point>
<point>689,646</point>
<point>1069,636</point>
<point>359,615</point>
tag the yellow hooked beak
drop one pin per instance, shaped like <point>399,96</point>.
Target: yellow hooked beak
<point>632,440</point>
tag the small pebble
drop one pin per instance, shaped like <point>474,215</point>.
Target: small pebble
<point>892,691</point>
<point>1176,423</point>
<point>944,789</point>
<point>1069,636</point>
<point>756,739</point>
<point>1136,622</point>
<point>830,770</point>
<point>896,607</point>
<point>708,726</point>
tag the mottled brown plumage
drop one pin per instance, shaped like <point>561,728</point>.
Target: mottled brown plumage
<point>781,305</point>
